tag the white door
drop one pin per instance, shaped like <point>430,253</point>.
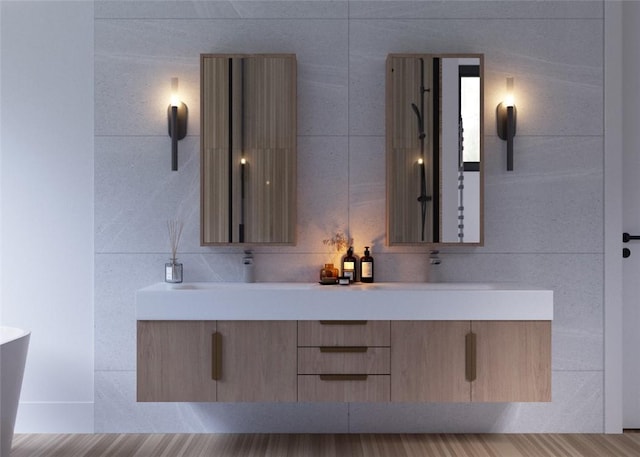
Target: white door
<point>631,216</point>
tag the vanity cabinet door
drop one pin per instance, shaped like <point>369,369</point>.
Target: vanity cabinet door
<point>176,361</point>
<point>259,361</point>
<point>513,361</point>
<point>479,361</point>
<point>428,361</point>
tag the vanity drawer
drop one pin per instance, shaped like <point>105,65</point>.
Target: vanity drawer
<point>344,388</point>
<point>344,359</point>
<point>344,333</point>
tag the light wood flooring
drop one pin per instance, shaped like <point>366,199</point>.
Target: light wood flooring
<point>308,445</point>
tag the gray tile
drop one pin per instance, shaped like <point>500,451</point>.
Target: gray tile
<point>475,10</point>
<point>188,9</point>
<point>136,193</point>
<point>323,190</point>
<point>551,202</point>
<point>367,192</point>
<point>544,220</point>
<point>136,59</point>
<point>558,89</point>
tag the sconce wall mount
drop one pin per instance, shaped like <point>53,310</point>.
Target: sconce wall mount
<point>177,114</point>
<point>506,117</point>
<point>181,120</point>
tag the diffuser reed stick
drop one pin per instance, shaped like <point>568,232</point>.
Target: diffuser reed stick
<point>175,230</point>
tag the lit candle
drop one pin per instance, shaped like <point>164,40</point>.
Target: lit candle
<point>243,164</point>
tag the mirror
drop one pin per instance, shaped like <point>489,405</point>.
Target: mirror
<point>248,148</point>
<point>434,143</point>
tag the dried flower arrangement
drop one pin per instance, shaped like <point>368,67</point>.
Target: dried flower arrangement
<point>339,241</point>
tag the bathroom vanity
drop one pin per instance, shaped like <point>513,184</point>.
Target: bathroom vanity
<point>381,342</point>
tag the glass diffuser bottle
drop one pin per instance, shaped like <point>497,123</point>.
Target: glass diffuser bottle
<point>173,269</point>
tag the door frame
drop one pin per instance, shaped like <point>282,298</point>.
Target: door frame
<point>613,148</point>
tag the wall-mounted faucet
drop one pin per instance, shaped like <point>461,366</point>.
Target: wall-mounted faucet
<point>433,274</point>
<point>247,266</point>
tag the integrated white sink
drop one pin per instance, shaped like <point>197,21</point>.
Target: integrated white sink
<point>426,286</point>
<point>312,301</point>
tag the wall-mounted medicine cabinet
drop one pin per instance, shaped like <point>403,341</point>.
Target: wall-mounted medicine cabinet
<point>434,149</point>
<point>248,148</point>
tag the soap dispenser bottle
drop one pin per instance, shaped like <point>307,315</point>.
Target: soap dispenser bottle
<point>366,266</point>
<point>349,265</point>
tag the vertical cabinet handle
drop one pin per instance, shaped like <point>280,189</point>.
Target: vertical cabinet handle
<point>216,351</point>
<point>470,356</point>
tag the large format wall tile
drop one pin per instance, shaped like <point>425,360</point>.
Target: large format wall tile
<point>136,193</point>
<point>543,221</point>
<point>551,202</point>
<point>199,9</point>
<point>487,9</point>
<point>136,59</point>
<point>561,79</point>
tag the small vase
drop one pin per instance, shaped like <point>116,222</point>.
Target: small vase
<point>173,271</point>
<point>329,274</point>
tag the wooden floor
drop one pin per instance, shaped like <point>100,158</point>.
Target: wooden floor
<point>254,445</point>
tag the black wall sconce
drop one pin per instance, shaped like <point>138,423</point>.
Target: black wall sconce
<point>177,113</point>
<point>506,115</point>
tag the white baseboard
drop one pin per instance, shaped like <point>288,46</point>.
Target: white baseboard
<point>55,417</point>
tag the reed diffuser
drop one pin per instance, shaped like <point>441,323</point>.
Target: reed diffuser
<point>173,269</point>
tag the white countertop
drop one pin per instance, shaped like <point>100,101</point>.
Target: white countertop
<point>377,301</point>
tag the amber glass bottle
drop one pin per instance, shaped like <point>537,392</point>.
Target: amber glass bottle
<point>366,266</point>
<point>349,265</point>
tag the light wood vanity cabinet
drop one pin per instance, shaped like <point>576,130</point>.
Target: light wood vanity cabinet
<point>428,361</point>
<point>513,360</point>
<point>226,361</point>
<point>479,361</point>
<point>347,361</point>
<point>175,361</point>
<point>344,361</point>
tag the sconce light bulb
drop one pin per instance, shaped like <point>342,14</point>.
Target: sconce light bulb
<point>420,161</point>
<point>243,161</point>
<point>175,101</point>
<point>508,100</point>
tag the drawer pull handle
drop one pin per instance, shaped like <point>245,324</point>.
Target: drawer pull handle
<point>216,350</point>
<point>343,322</point>
<point>343,377</point>
<point>343,349</point>
<point>470,356</point>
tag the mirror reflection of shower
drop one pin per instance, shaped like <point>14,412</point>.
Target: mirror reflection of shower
<point>434,160</point>
<point>423,198</point>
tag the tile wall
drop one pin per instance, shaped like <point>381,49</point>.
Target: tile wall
<point>543,221</point>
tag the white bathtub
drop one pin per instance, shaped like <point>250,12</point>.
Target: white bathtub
<point>14,343</point>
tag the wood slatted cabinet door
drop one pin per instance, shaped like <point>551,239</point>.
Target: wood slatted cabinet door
<point>428,361</point>
<point>175,361</point>
<point>513,360</point>
<point>259,361</point>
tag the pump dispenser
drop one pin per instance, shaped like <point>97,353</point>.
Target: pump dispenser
<point>349,265</point>
<point>366,266</point>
